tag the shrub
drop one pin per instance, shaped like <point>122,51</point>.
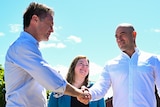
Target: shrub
<point>2,87</point>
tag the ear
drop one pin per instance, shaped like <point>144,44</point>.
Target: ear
<point>134,33</point>
<point>34,18</point>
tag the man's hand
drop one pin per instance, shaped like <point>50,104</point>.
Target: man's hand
<point>85,98</point>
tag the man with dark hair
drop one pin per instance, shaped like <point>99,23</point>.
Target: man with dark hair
<point>27,74</point>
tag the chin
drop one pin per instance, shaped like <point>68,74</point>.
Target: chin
<point>122,48</point>
<point>46,39</point>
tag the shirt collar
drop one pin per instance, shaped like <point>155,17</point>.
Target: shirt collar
<point>136,52</point>
<point>30,37</point>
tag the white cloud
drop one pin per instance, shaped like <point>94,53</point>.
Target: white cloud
<point>74,38</point>
<point>2,34</point>
<point>157,30</point>
<point>60,45</point>
<point>61,69</point>
<point>43,45</point>
<point>57,28</point>
<point>54,42</point>
<point>95,69</point>
<point>15,28</point>
<point>53,38</point>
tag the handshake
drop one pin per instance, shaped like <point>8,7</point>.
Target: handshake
<point>84,96</point>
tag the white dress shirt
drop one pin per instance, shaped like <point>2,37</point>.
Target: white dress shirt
<point>132,79</point>
<point>28,75</point>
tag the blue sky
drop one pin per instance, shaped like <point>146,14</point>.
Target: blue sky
<point>85,27</point>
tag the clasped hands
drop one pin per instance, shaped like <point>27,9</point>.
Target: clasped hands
<point>85,97</point>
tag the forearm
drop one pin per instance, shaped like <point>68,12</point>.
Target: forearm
<point>72,91</point>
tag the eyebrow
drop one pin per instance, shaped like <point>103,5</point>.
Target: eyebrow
<point>120,33</point>
<point>80,61</point>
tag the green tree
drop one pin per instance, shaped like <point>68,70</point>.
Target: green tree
<point>2,87</point>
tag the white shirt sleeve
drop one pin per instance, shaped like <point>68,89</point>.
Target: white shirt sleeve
<point>28,57</point>
<point>100,88</point>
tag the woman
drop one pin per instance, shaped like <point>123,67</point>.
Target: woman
<point>77,75</point>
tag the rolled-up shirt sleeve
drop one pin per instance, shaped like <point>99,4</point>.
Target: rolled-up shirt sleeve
<point>26,55</point>
<point>100,88</point>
